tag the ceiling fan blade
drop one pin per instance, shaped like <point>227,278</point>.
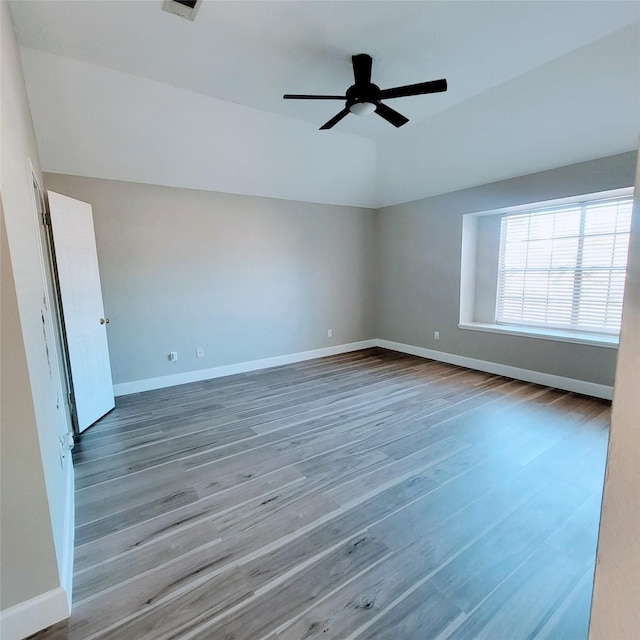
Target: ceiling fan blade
<point>300,96</point>
<point>434,86</point>
<point>335,119</point>
<point>362,68</point>
<point>390,115</point>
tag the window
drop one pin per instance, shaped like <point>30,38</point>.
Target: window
<point>564,267</point>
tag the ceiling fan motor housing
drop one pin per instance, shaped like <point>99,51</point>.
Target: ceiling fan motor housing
<point>363,93</point>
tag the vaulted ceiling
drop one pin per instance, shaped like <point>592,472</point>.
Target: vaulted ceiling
<point>532,85</point>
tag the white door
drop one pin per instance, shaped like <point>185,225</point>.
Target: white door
<point>82,309</point>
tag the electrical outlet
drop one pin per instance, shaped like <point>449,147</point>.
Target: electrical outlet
<point>436,335</point>
<point>199,352</point>
<point>173,356</point>
<point>329,333</point>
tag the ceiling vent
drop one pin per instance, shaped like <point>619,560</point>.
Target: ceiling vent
<point>183,8</point>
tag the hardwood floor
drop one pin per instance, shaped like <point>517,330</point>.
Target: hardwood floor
<point>371,495</point>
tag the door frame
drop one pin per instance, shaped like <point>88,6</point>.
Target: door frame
<point>52,297</point>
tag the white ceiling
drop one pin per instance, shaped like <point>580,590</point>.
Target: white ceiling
<point>123,90</point>
<point>250,53</point>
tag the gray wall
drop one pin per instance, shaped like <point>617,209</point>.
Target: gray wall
<point>249,278</point>
<point>244,277</point>
<point>418,278</point>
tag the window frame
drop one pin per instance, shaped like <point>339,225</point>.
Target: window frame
<point>468,319</point>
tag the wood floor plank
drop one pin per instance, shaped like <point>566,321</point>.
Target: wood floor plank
<point>125,540</point>
<point>290,429</point>
<point>132,515</point>
<point>121,568</point>
<point>577,538</point>
<point>265,612</point>
<point>371,494</point>
<point>118,442</point>
<point>473,502</point>
<point>103,499</point>
<point>344,525</point>
<point>571,620</point>
<point>298,498</point>
<point>423,613</point>
<point>115,466</point>
<point>358,603</point>
<point>543,581</point>
<point>377,476</point>
<point>94,616</point>
<point>204,600</point>
<point>491,559</point>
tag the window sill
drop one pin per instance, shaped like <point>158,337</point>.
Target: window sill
<point>546,334</point>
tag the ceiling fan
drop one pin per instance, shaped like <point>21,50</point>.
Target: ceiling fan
<point>363,97</point>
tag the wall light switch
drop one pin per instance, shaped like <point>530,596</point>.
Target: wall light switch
<point>200,352</point>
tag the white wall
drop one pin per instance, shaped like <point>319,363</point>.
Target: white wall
<point>94,121</point>
<point>615,612</point>
<point>36,542</point>
<point>247,278</point>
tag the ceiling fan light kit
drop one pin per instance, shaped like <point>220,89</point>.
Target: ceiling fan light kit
<point>363,97</point>
<point>362,108</point>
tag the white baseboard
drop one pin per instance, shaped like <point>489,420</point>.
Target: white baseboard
<point>135,386</point>
<point>528,375</point>
<point>28,617</point>
<point>547,379</point>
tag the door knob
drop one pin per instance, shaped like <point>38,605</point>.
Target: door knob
<point>104,320</point>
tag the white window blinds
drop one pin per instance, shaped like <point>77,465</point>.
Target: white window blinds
<point>564,267</point>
